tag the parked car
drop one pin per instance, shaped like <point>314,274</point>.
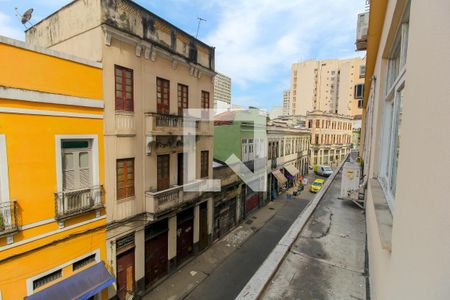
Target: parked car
<point>317,185</point>
<point>324,171</point>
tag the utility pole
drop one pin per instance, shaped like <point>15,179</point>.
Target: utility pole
<point>198,26</point>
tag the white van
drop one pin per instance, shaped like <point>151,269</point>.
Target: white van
<point>324,171</point>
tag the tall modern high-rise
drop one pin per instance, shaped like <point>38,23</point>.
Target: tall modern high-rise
<point>332,86</point>
<point>222,91</point>
<point>286,103</point>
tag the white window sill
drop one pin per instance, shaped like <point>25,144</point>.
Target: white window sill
<point>383,214</point>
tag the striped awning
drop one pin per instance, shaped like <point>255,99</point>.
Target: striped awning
<point>279,176</point>
<point>292,170</point>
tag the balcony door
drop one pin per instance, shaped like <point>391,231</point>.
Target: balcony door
<point>163,96</point>
<point>163,172</point>
<point>180,168</point>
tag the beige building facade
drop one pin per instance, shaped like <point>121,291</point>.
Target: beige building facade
<point>331,137</point>
<point>222,92</point>
<point>406,114</point>
<point>287,157</point>
<point>333,86</point>
<point>152,72</point>
<point>286,103</point>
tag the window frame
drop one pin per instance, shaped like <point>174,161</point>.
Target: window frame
<point>183,102</point>
<point>160,99</point>
<point>95,171</point>
<point>4,177</point>
<point>122,98</point>
<point>392,112</point>
<point>204,168</point>
<point>127,195</point>
<point>204,100</point>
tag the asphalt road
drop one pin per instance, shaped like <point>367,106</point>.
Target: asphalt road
<point>231,276</point>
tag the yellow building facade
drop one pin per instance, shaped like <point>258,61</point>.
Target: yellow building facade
<point>52,216</point>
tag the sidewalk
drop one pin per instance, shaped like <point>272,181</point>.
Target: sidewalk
<point>327,260</point>
<point>179,284</point>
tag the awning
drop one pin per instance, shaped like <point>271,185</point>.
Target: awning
<point>82,285</point>
<point>279,176</point>
<point>292,170</point>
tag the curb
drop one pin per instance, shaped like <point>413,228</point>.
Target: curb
<point>256,285</point>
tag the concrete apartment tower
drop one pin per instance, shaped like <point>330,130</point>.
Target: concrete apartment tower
<point>152,71</point>
<point>222,92</point>
<point>332,86</point>
<point>286,103</point>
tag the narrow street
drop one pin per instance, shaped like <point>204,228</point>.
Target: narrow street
<point>224,269</point>
<point>231,276</point>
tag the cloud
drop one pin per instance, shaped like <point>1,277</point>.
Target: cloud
<point>256,40</point>
<point>9,29</point>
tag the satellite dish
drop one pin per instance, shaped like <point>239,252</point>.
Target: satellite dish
<point>26,17</point>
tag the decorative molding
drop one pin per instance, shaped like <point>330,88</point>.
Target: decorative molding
<point>174,64</point>
<point>153,54</point>
<point>34,48</point>
<point>108,38</point>
<point>138,50</point>
<point>147,52</point>
<point>44,235</point>
<point>52,113</point>
<point>42,97</point>
<point>4,178</point>
<point>29,281</point>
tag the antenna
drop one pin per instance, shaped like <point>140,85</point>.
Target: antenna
<point>25,17</point>
<point>198,26</point>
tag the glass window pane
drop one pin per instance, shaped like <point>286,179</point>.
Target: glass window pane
<point>68,161</point>
<point>84,160</point>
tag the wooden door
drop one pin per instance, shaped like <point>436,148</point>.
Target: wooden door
<point>185,240</point>
<point>163,96</point>
<point>156,252</point>
<point>180,168</point>
<point>125,274</point>
<point>163,172</point>
<point>203,236</point>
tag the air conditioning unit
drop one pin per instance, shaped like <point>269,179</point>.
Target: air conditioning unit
<point>351,174</point>
<point>361,31</point>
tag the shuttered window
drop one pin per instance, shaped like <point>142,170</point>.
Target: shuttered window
<point>125,178</point>
<point>124,88</point>
<point>163,96</point>
<point>76,164</point>
<point>204,164</point>
<point>205,99</point>
<point>183,92</point>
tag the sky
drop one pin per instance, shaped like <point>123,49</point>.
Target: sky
<point>256,41</point>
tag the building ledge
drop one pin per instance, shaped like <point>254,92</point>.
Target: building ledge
<point>383,214</point>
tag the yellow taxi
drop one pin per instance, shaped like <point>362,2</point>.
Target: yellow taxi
<point>316,185</point>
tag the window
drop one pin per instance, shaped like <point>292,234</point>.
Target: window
<point>205,99</point>
<point>362,71</point>
<point>83,262</point>
<point>183,92</point>
<point>76,164</point>
<point>317,123</point>
<point>162,96</point>
<point>163,172</point>
<point>124,88</point>
<point>40,282</point>
<point>359,91</point>
<point>360,103</point>
<point>125,178</point>
<point>204,166</point>
<point>392,113</point>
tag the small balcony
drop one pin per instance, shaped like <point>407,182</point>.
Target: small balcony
<point>8,218</point>
<point>125,123</point>
<point>75,202</point>
<point>159,124</point>
<point>160,202</point>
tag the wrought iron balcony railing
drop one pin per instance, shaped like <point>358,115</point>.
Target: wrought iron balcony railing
<point>8,217</point>
<point>74,202</point>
